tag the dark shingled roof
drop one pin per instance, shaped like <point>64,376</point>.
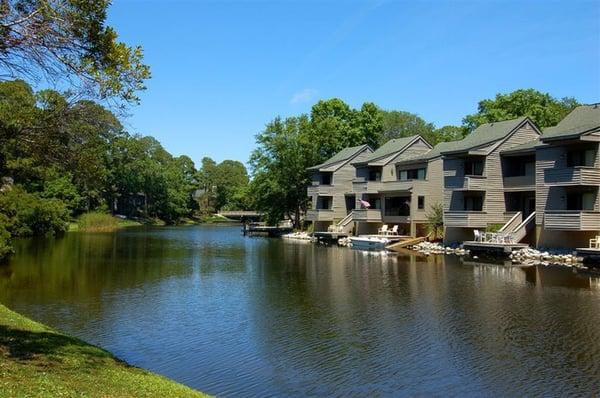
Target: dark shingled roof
<point>387,149</point>
<point>485,134</point>
<point>581,120</point>
<point>343,155</point>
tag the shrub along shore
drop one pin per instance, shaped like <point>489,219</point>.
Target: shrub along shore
<point>38,361</point>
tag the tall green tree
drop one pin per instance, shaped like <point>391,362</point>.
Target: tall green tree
<point>334,125</point>
<point>232,179</point>
<point>544,109</point>
<point>68,41</point>
<point>279,164</point>
<point>397,124</point>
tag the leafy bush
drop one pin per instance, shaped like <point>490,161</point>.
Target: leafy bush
<point>435,221</point>
<point>29,214</point>
<point>5,247</point>
<point>97,222</point>
<point>492,228</point>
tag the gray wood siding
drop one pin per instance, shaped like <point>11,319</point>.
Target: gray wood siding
<point>431,188</point>
<point>418,147</point>
<point>342,184</point>
<point>552,174</point>
<point>494,204</point>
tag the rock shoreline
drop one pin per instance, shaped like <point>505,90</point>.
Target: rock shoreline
<point>526,256</point>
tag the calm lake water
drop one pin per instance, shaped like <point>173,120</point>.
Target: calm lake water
<point>236,316</point>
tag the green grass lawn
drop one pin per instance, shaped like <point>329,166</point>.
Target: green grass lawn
<point>36,361</point>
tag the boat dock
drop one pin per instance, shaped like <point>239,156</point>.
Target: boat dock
<point>271,231</point>
<point>329,237</point>
<point>403,243</point>
<point>493,247</point>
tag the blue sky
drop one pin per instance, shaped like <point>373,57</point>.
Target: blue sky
<point>222,70</point>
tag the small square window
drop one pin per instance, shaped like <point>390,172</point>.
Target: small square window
<point>421,202</point>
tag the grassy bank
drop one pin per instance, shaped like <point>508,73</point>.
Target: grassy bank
<point>36,361</point>
<point>100,222</point>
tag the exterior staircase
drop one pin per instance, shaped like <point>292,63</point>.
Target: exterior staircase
<point>517,227</point>
<point>346,224</point>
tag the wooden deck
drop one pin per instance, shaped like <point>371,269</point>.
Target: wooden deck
<point>326,236</point>
<point>272,231</point>
<point>491,247</point>
<point>400,245</point>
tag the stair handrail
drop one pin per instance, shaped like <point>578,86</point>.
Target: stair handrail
<point>525,222</point>
<point>511,221</point>
<point>344,221</point>
<point>521,230</point>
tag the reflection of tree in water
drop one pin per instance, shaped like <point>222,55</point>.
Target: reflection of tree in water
<point>88,268</point>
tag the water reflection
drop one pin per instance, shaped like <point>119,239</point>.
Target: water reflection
<point>239,316</point>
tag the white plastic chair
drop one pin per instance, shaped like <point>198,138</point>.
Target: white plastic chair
<point>394,230</point>
<point>477,235</point>
<point>383,230</point>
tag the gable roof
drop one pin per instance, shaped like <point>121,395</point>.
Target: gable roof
<point>485,134</point>
<point>528,147</point>
<point>434,153</point>
<point>340,158</point>
<point>391,147</point>
<point>581,120</point>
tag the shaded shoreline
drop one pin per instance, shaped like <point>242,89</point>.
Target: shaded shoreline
<point>38,361</point>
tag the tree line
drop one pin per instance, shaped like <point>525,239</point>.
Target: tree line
<point>61,157</point>
<point>288,146</point>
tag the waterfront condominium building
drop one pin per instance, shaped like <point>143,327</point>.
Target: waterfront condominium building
<point>330,191</point>
<point>485,184</point>
<point>393,186</point>
<point>568,180</point>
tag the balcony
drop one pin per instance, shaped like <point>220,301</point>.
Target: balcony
<point>398,186</point>
<point>517,183</point>
<point>367,215</point>
<point>471,183</point>
<point>320,190</point>
<point>566,176</point>
<point>465,219</point>
<point>362,185</point>
<point>572,220</point>
<point>319,215</point>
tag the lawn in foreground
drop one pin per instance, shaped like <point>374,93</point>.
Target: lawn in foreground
<point>36,361</point>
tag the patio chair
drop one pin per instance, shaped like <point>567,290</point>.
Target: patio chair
<point>478,236</point>
<point>394,230</point>
<point>383,230</point>
<point>595,242</point>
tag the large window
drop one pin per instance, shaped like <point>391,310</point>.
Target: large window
<point>324,202</point>
<point>473,203</point>
<point>581,200</point>
<point>519,166</point>
<point>374,174</point>
<point>412,174</point>
<point>397,206</point>
<point>326,178</point>
<point>474,167</point>
<point>583,157</point>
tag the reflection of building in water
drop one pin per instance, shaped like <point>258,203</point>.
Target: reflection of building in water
<point>555,276</point>
<point>536,275</point>
<point>506,272</point>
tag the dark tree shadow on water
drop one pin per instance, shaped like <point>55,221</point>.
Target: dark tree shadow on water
<point>24,345</point>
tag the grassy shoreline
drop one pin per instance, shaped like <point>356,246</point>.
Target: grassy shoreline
<point>36,360</point>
